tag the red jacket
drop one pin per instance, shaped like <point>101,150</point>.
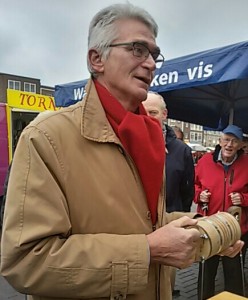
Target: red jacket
<point>210,175</point>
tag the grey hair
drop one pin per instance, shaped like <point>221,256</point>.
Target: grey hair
<point>163,104</point>
<point>102,29</point>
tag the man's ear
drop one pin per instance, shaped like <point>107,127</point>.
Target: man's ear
<point>96,61</point>
<point>165,113</point>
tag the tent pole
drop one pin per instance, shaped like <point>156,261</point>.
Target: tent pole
<point>231,114</point>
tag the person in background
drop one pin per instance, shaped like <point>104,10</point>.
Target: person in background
<point>179,133</point>
<point>197,156</point>
<point>179,164</point>
<point>179,161</point>
<point>221,181</point>
<point>245,144</point>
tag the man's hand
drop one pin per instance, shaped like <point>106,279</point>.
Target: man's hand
<point>233,250</point>
<point>236,198</point>
<point>173,244</point>
<point>204,196</point>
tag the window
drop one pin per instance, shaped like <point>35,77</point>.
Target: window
<point>196,137</point>
<point>192,126</point>
<point>46,91</point>
<point>192,136</point>
<point>29,87</point>
<point>199,136</point>
<point>14,85</point>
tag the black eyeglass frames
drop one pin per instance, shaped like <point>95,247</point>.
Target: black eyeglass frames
<point>141,51</point>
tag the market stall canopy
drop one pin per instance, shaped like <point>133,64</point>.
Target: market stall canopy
<point>69,93</point>
<point>208,88</point>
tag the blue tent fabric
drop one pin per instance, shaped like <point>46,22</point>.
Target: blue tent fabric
<point>203,68</point>
<point>208,88</point>
<point>205,88</point>
<point>69,93</point>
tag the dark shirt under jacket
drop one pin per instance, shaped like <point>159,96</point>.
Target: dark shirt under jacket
<point>179,173</point>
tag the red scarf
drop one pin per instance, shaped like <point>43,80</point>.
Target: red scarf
<point>142,138</point>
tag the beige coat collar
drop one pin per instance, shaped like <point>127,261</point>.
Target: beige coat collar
<point>94,123</point>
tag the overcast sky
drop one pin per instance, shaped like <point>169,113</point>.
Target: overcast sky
<point>47,39</point>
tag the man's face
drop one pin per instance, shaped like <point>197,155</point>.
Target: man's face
<point>154,108</point>
<point>179,134</point>
<point>126,76</point>
<point>245,147</point>
<point>230,144</point>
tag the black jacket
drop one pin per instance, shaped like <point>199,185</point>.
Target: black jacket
<point>179,173</point>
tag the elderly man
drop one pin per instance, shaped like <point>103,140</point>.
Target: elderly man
<point>221,181</point>
<point>179,164</point>
<point>84,214</point>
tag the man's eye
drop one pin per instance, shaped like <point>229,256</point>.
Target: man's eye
<point>153,113</point>
<point>138,50</point>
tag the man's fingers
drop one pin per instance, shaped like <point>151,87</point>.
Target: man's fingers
<point>184,222</point>
<point>233,250</point>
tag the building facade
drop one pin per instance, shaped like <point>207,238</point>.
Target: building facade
<point>195,134</point>
<point>21,100</point>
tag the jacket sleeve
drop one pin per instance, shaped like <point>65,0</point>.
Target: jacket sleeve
<point>244,196</point>
<point>40,255</point>
<point>187,187</point>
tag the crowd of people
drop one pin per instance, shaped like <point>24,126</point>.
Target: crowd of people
<point>99,193</point>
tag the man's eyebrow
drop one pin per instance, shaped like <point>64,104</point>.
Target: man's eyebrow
<point>156,48</point>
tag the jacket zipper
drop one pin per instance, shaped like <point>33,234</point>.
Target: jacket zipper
<point>224,198</point>
<point>231,171</point>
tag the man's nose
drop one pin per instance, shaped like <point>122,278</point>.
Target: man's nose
<point>150,62</point>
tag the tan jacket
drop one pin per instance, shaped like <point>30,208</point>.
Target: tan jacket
<point>76,216</point>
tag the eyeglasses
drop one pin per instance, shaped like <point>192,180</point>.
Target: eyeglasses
<point>141,51</point>
<point>228,140</point>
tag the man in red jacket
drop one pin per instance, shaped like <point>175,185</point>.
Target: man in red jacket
<point>221,181</point>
